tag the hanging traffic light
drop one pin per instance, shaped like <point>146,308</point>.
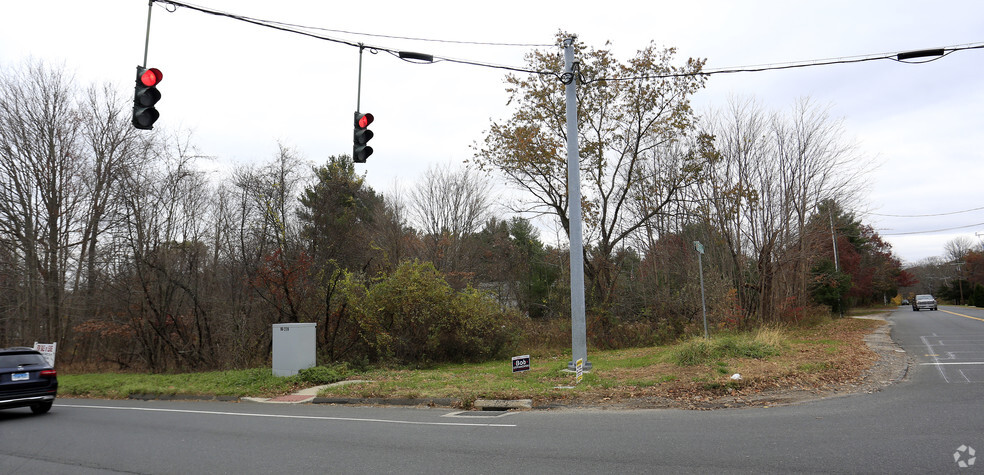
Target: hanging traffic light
<point>145,96</point>
<point>361,136</point>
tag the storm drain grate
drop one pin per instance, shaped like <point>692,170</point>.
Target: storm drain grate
<point>489,414</point>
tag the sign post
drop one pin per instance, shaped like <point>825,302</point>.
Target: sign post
<point>700,266</point>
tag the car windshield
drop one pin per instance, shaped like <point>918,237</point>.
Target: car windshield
<point>924,297</point>
<point>21,359</point>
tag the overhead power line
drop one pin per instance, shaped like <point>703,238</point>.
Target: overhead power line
<point>923,215</point>
<point>902,57</point>
<point>291,28</point>
<point>411,38</point>
<point>905,57</point>
<point>934,230</point>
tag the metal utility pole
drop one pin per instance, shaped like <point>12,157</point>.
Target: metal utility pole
<point>579,346</point>
<point>358,87</point>
<point>150,9</point>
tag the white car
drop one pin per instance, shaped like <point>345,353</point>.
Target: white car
<point>924,302</point>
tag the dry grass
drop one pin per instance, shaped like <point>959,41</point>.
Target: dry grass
<point>694,373</point>
<point>771,359</point>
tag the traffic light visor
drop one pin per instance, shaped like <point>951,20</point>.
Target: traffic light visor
<point>151,77</point>
<point>365,120</point>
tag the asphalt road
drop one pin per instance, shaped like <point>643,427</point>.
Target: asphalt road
<point>915,426</point>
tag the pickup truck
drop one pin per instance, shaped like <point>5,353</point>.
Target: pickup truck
<point>924,302</point>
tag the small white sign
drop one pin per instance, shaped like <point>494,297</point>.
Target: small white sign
<point>520,363</point>
<point>48,351</point>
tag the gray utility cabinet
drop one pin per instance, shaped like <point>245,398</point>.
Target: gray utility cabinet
<point>293,347</point>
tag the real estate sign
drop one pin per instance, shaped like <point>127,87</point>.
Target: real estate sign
<point>48,351</point>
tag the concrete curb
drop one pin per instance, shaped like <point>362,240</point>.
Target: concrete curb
<point>304,396</point>
<point>182,397</point>
<point>430,402</point>
<point>288,399</point>
<point>309,396</point>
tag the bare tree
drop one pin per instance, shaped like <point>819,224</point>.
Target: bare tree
<point>40,162</point>
<point>958,247</point>
<point>772,173</point>
<point>113,150</point>
<point>166,287</point>
<point>393,232</point>
<point>449,205</point>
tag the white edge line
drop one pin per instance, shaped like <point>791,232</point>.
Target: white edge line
<point>282,416</point>
<point>956,362</point>
<point>936,359</point>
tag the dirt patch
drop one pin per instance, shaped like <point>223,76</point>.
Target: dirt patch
<point>846,357</point>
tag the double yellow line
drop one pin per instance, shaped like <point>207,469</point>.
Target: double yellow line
<point>962,315</point>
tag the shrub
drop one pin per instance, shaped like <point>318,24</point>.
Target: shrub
<point>761,344</point>
<point>413,316</point>
<point>322,374</point>
<point>693,352</point>
<point>735,346</point>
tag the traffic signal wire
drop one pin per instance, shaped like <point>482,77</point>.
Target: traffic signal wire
<point>897,56</point>
<point>411,38</point>
<point>256,21</point>
<point>923,215</point>
<point>902,57</point>
<point>291,28</point>
<point>930,231</point>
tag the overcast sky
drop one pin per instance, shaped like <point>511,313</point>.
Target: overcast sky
<point>242,88</point>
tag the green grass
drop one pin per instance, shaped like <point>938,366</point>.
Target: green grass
<point>862,311</point>
<point>546,378</point>
<point>698,351</point>
<point>259,382</point>
<point>466,381</point>
<point>617,373</point>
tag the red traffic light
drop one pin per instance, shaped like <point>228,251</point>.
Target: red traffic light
<point>151,77</point>
<point>360,137</point>
<point>145,96</point>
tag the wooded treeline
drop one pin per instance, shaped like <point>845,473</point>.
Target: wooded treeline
<point>116,244</point>
<point>957,276</point>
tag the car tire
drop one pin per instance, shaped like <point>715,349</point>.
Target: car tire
<point>41,408</point>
